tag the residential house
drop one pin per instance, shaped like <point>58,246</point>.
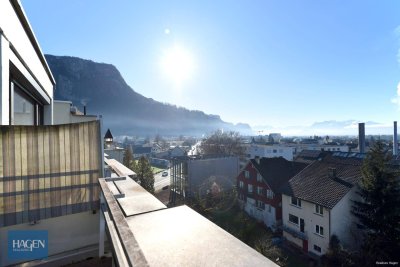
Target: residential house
<point>156,148</point>
<point>316,203</point>
<point>258,187</point>
<point>141,151</point>
<point>177,152</point>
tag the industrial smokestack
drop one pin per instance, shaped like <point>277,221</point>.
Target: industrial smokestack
<point>361,137</point>
<point>84,110</point>
<point>395,142</point>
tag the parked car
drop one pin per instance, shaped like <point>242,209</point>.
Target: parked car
<point>164,174</point>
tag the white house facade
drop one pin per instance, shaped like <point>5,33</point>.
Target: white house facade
<point>317,203</point>
<point>304,226</point>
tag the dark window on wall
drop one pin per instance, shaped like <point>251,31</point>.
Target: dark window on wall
<point>317,248</point>
<point>293,219</point>
<point>24,109</point>
<point>319,209</point>
<point>296,201</point>
<point>260,205</point>
<point>319,229</point>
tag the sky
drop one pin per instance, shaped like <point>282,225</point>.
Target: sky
<point>269,62</point>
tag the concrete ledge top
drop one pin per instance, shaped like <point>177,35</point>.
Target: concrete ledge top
<point>119,168</point>
<point>182,237</point>
<point>137,200</point>
<point>152,235</point>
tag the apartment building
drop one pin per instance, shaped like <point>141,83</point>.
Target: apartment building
<point>26,81</point>
<point>316,203</point>
<point>269,151</point>
<point>48,172</point>
<point>259,185</point>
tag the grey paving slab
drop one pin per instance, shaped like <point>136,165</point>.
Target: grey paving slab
<point>137,200</point>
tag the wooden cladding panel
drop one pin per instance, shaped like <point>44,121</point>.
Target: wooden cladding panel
<point>48,171</point>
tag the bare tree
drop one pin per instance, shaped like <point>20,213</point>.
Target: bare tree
<point>222,143</point>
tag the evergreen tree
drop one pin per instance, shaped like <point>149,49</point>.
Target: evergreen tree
<point>337,256</point>
<point>379,209</point>
<point>128,157</point>
<point>144,174</point>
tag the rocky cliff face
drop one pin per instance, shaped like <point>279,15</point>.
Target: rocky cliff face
<point>101,87</point>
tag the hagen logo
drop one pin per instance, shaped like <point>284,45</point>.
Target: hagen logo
<point>27,244</point>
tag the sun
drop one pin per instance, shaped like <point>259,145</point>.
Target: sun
<point>178,64</point>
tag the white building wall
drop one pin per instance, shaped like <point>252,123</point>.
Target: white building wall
<point>343,223</point>
<point>65,233</point>
<point>62,114</point>
<point>307,212</point>
<point>268,151</point>
<point>267,215</point>
<point>270,216</point>
<point>250,208</point>
<point>297,241</point>
<point>23,51</point>
<point>4,79</point>
<point>15,33</point>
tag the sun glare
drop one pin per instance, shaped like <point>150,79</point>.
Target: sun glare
<point>178,64</point>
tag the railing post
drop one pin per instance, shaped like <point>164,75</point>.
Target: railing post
<point>102,227</point>
<point>101,146</point>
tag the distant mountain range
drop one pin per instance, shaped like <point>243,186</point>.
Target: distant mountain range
<point>330,127</point>
<point>102,88</point>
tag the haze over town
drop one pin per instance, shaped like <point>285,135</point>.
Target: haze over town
<point>276,65</point>
<point>258,133</point>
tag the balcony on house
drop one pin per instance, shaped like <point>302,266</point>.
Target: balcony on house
<point>296,233</point>
<point>49,180</point>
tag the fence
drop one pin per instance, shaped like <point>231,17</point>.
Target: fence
<point>48,171</point>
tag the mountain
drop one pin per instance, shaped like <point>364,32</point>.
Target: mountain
<point>102,88</point>
<point>330,127</point>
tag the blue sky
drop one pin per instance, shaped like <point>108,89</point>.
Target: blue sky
<point>277,63</point>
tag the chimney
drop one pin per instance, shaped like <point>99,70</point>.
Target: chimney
<point>395,142</point>
<point>361,137</point>
<point>332,173</point>
<point>257,159</point>
<point>84,110</point>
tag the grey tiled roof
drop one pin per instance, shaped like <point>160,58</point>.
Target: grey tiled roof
<point>309,156</point>
<point>313,184</point>
<point>277,171</point>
